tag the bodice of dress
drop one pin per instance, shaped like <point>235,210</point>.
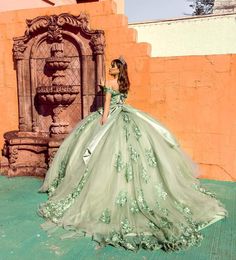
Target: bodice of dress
<point>117,98</point>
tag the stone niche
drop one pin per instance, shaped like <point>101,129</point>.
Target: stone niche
<point>59,63</point>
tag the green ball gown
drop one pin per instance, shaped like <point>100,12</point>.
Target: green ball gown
<point>126,183</point>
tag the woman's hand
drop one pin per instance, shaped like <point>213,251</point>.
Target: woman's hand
<point>102,83</point>
<point>103,120</point>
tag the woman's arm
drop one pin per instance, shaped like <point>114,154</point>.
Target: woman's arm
<point>106,108</point>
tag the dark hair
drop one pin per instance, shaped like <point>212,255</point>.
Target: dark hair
<point>123,78</point>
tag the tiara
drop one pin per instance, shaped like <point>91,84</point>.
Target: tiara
<point>122,60</point>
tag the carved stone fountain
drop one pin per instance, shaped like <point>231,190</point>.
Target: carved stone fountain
<point>59,62</point>
<point>59,94</point>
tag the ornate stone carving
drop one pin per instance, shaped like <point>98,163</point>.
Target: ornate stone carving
<point>18,50</point>
<point>54,26</point>
<point>59,62</point>
<point>13,154</point>
<point>98,43</point>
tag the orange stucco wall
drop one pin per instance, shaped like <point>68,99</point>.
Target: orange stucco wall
<point>193,95</point>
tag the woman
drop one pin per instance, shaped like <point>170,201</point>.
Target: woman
<point>122,178</point>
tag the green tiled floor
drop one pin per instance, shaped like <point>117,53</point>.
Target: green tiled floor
<point>22,238</point>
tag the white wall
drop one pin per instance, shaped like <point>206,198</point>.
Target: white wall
<point>211,34</point>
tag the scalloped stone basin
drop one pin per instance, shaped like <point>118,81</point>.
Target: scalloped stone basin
<point>63,95</point>
<point>58,63</point>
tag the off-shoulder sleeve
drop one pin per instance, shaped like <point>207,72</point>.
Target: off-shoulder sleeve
<point>107,89</point>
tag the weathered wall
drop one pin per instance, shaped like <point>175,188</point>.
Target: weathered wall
<point>24,4</point>
<point>224,6</point>
<point>193,95</point>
